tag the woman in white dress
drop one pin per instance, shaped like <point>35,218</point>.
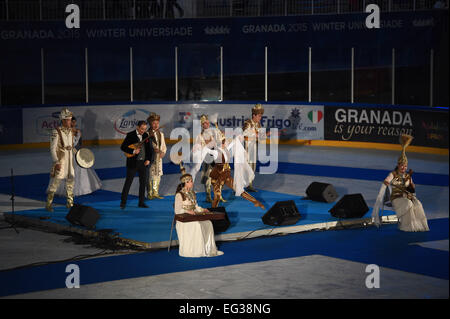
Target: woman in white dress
<point>196,238</point>
<point>410,214</point>
<point>86,180</point>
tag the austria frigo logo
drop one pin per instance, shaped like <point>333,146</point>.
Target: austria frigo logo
<point>184,120</point>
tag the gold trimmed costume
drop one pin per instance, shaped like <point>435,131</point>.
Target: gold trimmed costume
<point>221,175</point>
<point>208,137</point>
<point>156,168</point>
<point>410,214</point>
<point>195,238</point>
<point>61,150</point>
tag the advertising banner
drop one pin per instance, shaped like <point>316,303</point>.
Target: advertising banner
<point>385,125</point>
<point>10,130</point>
<point>294,122</point>
<point>343,30</point>
<point>113,122</point>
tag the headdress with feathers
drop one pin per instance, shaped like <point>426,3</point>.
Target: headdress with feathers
<point>177,159</point>
<point>405,140</point>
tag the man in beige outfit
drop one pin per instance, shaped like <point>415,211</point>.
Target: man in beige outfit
<point>160,149</point>
<point>61,150</point>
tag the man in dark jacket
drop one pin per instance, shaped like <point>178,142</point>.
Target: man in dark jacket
<point>137,148</point>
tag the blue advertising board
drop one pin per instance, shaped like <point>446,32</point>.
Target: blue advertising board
<point>421,29</point>
<point>10,126</point>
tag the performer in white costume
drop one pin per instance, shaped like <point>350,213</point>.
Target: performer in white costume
<point>61,150</point>
<point>409,210</point>
<point>86,179</point>
<point>208,137</point>
<point>223,151</point>
<point>160,149</point>
<point>253,134</point>
<point>196,238</point>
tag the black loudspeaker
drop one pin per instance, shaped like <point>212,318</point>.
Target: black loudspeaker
<point>220,225</point>
<point>83,216</point>
<point>281,214</point>
<point>350,206</point>
<point>321,192</point>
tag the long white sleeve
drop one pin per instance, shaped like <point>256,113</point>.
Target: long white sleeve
<point>262,137</point>
<point>243,174</point>
<point>163,144</point>
<point>389,178</point>
<point>178,207</point>
<point>54,139</point>
<point>378,204</point>
<point>198,157</point>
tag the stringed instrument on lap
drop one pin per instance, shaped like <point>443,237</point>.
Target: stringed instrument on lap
<point>410,190</point>
<point>186,218</point>
<point>138,145</point>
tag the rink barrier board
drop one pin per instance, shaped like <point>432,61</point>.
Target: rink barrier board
<point>346,144</point>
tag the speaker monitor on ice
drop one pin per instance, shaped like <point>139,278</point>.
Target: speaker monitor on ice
<point>350,206</point>
<point>282,213</point>
<point>321,192</point>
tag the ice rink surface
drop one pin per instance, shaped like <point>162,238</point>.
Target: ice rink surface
<point>298,277</point>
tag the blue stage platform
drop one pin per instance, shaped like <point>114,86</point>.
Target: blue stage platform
<point>152,225</point>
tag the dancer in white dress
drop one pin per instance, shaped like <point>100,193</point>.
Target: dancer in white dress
<point>196,238</point>
<point>409,210</point>
<point>86,180</point>
<point>223,151</point>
